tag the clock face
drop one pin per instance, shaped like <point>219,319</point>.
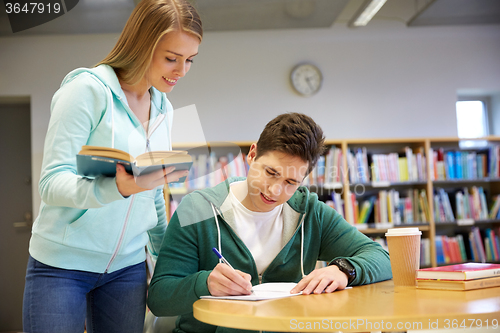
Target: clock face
<point>306,79</point>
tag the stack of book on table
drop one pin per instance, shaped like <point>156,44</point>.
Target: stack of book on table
<point>465,276</point>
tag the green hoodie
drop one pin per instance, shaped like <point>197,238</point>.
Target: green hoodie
<point>186,258</point>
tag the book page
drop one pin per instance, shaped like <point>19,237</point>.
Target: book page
<point>163,157</point>
<point>106,152</point>
<point>271,290</point>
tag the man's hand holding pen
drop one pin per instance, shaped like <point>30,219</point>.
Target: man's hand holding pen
<point>223,281</point>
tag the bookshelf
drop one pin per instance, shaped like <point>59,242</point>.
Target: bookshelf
<point>414,180</point>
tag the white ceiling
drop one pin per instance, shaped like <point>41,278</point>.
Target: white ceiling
<point>109,16</point>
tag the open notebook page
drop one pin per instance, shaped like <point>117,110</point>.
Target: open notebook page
<point>263,291</point>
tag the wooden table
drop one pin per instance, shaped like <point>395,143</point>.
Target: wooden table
<point>375,307</point>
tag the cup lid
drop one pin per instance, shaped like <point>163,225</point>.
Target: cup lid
<point>403,232</point>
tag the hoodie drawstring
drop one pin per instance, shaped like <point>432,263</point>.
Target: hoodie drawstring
<point>301,238</point>
<point>302,246</point>
<point>218,230</point>
<point>110,105</point>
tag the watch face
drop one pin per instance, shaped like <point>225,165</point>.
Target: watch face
<point>306,79</point>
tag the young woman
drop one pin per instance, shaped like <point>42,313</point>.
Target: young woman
<point>87,254</point>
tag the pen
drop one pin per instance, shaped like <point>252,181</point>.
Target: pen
<point>222,258</point>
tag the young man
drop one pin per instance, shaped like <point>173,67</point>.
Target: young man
<point>268,227</point>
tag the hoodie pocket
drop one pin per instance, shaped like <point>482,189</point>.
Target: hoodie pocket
<point>96,230</point>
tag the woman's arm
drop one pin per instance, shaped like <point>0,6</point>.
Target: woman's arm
<point>76,110</point>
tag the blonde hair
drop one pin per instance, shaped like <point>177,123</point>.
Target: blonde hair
<point>150,20</point>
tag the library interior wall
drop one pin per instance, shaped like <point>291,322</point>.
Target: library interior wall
<point>494,114</point>
<point>387,81</point>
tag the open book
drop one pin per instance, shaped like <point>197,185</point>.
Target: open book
<point>270,290</point>
<point>95,161</point>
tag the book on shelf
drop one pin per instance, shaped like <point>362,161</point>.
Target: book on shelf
<point>494,211</point>
<point>479,201</point>
<point>348,208</point>
<point>451,249</point>
<point>361,163</point>
<point>408,210</point>
<point>364,161</point>
<point>459,284</point>
<point>425,206</point>
<point>493,242</point>
<point>394,168</point>
<point>328,171</point>
<point>338,203</point>
<point>366,210</point>
<point>355,208</point>
<point>403,169</point>
<point>439,214</point>
<point>210,169</point>
<point>416,164</point>
<point>432,164</point>
<point>472,204</point>
<point>337,170</point>
<point>438,166</point>
<point>413,194</point>
<point>484,246</point>
<point>440,256</point>
<point>332,165</point>
<point>461,245</point>
<point>425,252</point>
<point>457,164</point>
<point>465,271</point>
<point>382,216</point>
<point>462,205</point>
<point>449,162</point>
<point>421,163</point>
<point>409,161</point>
<point>443,210</point>
<point>393,207</point>
<point>477,245</point>
<point>494,157</point>
<point>95,161</point>
<point>357,166</point>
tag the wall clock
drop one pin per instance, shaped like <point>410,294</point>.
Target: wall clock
<point>306,79</point>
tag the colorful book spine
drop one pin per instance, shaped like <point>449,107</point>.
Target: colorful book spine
<point>480,255</point>
<point>439,250</point>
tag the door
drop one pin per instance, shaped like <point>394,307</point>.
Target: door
<point>15,210</point>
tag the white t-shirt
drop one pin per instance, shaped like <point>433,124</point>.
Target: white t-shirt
<point>262,232</point>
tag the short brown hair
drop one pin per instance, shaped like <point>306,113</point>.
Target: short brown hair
<point>294,134</point>
<point>150,20</point>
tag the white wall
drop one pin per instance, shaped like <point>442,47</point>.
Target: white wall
<point>386,81</point>
<point>494,114</point>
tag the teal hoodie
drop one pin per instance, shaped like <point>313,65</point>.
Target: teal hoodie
<point>85,223</point>
<point>312,231</point>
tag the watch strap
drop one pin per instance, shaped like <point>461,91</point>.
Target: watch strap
<point>345,267</point>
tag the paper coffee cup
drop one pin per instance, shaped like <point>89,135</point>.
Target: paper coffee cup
<point>404,251</point>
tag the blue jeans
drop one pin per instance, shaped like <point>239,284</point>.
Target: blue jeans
<point>62,301</point>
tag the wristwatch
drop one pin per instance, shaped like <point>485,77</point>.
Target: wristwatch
<point>345,267</point>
